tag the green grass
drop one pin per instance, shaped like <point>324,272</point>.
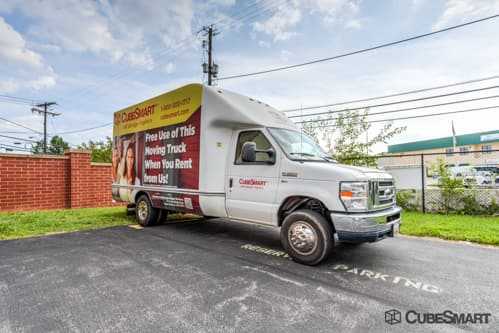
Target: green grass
<point>479,229</point>
<point>28,224</point>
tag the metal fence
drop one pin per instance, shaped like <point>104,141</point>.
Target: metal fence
<point>476,173</point>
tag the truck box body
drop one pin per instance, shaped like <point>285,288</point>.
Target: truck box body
<point>181,140</point>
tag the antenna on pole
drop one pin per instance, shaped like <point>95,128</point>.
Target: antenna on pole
<point>45,111</point>
<point>210,67</point>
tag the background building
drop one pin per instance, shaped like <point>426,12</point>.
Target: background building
<point>483,142</point>
<point>403,161</point>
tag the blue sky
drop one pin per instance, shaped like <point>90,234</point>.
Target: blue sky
<point>95,57</point>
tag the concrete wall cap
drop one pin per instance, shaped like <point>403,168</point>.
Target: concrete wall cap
<point>33,156</point>
<point>77,151</point>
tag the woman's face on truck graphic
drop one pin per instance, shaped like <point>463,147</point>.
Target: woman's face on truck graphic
<point>130,157</point>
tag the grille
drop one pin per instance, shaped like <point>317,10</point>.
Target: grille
<point>382,194</point>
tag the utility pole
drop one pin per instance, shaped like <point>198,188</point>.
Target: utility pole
<point>45,112</point>
<point>210,68</point>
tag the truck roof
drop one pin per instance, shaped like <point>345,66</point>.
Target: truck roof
<point>219,107</point>
<point>245,111</point>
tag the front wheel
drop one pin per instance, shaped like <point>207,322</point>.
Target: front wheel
<point>145,213</point>
<point>307,237</point>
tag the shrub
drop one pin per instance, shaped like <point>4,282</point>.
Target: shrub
<point>407,200</point>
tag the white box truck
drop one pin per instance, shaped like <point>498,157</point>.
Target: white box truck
<point>212,152</point>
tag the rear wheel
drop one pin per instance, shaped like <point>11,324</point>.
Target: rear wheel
<point>145,213</point>
<point>307,237</point>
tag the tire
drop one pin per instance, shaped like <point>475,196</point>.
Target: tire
<point>145,213</point>
<point>307,237</point>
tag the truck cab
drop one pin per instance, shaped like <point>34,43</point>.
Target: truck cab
<point>279,174</point>
<point>248,162</point>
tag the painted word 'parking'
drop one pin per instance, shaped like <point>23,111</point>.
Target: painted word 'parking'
<point>387,278</point>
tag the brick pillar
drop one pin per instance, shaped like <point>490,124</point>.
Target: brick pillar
<point>79,176</point>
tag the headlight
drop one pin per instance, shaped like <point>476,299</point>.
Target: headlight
<point>354,196</point>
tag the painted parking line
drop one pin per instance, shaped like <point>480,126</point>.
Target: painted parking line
<point>381,277</point>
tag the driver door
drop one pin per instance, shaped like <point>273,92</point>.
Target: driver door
<point>252,186</point>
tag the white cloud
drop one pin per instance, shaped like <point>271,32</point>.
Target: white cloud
<point>13,48</point>
<point>335,11</point>
<point>120,31</point>
<point>43,82</point>
<point>169,68</point>
<point>285,54</point>
<point>278,25</point>
<point>353,24</point>
<point>264,44</point>
<point>8,86</point>
<point>458,11</point>
<point>226,3</point>
<point>24,68</point>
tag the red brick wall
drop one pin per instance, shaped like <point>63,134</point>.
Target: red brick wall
<point>30,182</point>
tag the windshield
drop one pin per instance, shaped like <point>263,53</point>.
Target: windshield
<point>299,146</point>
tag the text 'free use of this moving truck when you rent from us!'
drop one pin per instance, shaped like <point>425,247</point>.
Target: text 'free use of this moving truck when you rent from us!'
<point>212,152</point>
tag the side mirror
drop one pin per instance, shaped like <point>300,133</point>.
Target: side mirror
<point>248,153</point>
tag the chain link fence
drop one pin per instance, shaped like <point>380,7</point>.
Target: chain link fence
<point>469,183</point>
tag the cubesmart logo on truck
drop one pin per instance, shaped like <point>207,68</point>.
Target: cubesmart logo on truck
<point>252,183</point>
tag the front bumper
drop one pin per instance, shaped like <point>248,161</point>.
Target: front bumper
<point>366,227</point>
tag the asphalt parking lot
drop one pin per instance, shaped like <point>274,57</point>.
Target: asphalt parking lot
<point>220,276</point>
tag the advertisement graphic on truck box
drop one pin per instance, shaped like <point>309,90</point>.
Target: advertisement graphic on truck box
<point>156,144</point>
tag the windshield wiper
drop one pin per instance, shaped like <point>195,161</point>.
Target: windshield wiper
<point>330,159</point>
<point>325,158</point>
<point>309,155</point>
<point>303,154</point>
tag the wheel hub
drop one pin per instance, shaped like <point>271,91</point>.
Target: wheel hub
<point>302,237</point>
<point>142,210</point>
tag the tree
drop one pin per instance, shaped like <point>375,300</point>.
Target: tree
<point>56,146</point>
<point>101,150</point>
<point>346,137</point>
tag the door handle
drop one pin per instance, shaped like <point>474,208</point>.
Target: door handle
<point>230,182</point>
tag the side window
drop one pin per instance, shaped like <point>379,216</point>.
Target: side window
<point>261,144</point>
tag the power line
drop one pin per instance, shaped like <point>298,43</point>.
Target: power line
<point>20,125</point>
<point>15,101</point>
<point>418,116</point>
<point>399,110</point>
<point>30,100</point>
<point>11,147</point>
<point>85,129</point>
<point>17,138</point>
<point>395,95</point>
<point>14,132</point>
<point>396,102</point>
<point>358,51</point>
